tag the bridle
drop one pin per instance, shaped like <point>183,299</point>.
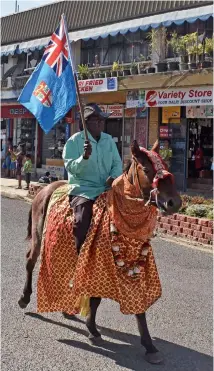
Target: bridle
<point>161,172</point>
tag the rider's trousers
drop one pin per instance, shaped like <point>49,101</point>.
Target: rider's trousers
<point>83,211</point>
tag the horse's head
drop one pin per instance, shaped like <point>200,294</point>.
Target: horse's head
<point>151,176</point>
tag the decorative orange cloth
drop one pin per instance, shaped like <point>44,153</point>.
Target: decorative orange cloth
<point>131,217</point>
<point>111,264</point>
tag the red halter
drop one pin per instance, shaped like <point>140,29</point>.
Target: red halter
<point>159,167</point>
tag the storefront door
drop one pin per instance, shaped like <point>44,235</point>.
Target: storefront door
<point>114,128</point>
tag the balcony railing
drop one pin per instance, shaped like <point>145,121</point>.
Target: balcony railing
<point>123,70</point>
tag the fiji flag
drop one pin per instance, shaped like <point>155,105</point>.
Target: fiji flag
<point>50,92</point>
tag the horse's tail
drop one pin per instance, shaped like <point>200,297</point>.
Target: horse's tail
<point>29,227</point>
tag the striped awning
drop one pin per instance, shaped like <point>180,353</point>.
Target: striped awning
<point>144,23</point>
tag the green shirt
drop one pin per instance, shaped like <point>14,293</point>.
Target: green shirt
<point>88,177</point>
<point>28,166</point>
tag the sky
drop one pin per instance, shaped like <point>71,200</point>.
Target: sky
<point>8,6</point>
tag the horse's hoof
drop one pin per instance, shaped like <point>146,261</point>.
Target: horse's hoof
<point>154,358</point>
<point>22,303</point>
<point>95,340</point>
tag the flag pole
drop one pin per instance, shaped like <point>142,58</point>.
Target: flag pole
<point>75,78</point>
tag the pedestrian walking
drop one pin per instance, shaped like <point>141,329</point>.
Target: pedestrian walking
<point>7,162</point>
<point>19,162</point>
<point>13,154</point>
<point>27,170</point>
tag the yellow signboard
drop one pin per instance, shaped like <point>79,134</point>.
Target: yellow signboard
<point>171,114</point>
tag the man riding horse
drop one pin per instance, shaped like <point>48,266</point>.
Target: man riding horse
<point>114,259</point>
<point>91,172</point>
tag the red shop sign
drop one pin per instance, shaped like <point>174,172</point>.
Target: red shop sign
<point>165,132</point>
<point>16,110</point>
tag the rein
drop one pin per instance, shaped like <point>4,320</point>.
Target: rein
<point>161,172</point>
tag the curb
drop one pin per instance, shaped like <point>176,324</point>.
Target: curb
<point>14,196</point>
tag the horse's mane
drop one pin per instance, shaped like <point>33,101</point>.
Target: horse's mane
<point>127,166</point>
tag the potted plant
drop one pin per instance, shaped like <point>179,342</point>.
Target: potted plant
<point>141,65</point>
<point>195,55</point>
<point>209,47</point>
<point>126,71</point>
<point>96,66</point>
<point>107,74</point>
<point>83,71</point>
<point>120,71</point>
<point>182,53</point>
<point>173,43</point>
<point>208,53</point>
<point>150,69</point>
<point>134,68</point>
<point>194,49</point>
<point>102,74</point>
<point>153,37</point>
<point>115,68</point>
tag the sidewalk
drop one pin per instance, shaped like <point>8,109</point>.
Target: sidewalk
<point>8,189</point>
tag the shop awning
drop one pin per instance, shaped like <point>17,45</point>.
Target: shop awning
<point>154,21</point>
<point>8,49</point>
<point>33,45</point>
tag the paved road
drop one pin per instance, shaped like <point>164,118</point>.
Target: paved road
<point>180,322</point>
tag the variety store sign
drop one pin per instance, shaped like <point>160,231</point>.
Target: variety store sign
<point>98,85</point>
<point>179,97</point>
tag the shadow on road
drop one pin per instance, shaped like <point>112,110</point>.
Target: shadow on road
<point>130,354</point>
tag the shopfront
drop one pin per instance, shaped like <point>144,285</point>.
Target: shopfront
<point>185,132</point>
<point>23,128</point>
<point>199,143</point>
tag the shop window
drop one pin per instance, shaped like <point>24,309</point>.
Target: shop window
<point>58,139</point>
<point>124,48</point>
<point>25,134</point>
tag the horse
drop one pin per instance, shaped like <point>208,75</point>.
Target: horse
<point>153,187</point>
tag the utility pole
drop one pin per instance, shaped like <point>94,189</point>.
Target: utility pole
<point>16,6</point>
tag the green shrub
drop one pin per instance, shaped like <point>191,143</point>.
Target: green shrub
<point>210,215</point>
<point>200,211</point>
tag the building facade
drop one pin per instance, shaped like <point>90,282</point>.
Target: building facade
<point>135,59</point>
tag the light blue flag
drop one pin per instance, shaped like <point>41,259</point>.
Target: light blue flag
<point>50,91</point>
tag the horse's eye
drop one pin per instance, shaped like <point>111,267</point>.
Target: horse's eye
<point>146,171</point>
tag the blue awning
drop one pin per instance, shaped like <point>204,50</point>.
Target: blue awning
<point>32,45</point>
<point>153,21</point>
<point>8,49</point>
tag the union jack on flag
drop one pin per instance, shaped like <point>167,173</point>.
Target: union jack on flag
<point>56,53</point>
<point>50,91</point>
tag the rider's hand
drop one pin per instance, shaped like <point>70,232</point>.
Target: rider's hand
<point>87,150</point>
<point>109,181</point>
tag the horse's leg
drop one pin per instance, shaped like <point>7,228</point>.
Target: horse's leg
<point>91,318</point>
<point>27,291</point>
<point>32,256</point>
<point>152,353</point>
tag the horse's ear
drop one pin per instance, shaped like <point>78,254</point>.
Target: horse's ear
<point>135,149</point>
<point>156,147</point>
